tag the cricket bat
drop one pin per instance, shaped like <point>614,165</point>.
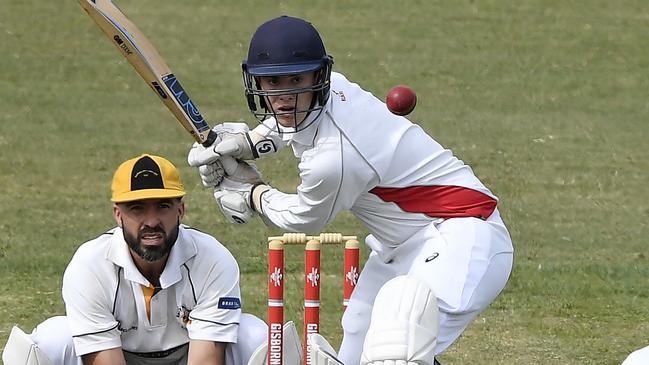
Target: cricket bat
<point>148,63</point>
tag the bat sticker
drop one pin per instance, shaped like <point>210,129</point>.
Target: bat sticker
<point>187,104</point>
<point>121,45</point>
<point>159,89</point>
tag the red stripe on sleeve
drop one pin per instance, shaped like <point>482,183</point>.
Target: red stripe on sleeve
<point>439,201</point>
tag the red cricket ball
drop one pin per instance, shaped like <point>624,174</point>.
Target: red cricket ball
<point>401,100</point>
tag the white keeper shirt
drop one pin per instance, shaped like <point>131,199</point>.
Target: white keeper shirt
<point>110,304</point>
<point>358,156</point>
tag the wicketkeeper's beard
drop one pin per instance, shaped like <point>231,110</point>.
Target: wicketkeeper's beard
<point>151,254</point>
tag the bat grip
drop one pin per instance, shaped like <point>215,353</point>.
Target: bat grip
<point>211,137</point>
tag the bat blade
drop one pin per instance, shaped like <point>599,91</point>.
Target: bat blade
<point>148,63</point>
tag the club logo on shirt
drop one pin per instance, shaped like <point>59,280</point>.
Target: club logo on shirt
<point>229,303</point>
<point>182,315</point>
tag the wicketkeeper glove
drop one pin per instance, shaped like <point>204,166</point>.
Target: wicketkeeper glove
<point>321,351</point>
<point>233,139</point>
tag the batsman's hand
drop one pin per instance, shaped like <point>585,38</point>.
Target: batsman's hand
<point>233,139</point>
<point>241,171</point>
<point>212,174</point>
<point>233,198</point>
<point>239,193</point>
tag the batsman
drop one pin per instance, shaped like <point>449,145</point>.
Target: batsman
<point>440,252</point>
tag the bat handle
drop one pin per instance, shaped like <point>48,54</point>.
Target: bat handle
<point>211,137</point>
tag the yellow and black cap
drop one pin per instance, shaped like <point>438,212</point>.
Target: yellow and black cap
<point>146,177</point>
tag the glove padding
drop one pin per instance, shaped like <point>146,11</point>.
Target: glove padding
<point>21,349</point>
<point>233,139</point>
<point>404,324</point>
<point>234,193</point>
<point>212,174</point>
<point>240,171</point>
<point>234,200</point>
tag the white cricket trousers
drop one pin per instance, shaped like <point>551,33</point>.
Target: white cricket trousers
<point>54,338</point>
<point>466,261</point>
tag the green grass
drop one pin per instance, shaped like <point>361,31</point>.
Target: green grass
<point>546,100</point>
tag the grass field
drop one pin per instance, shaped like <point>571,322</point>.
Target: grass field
<point>547,100</point>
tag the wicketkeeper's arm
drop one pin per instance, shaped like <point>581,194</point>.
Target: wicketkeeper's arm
<point>206,352</point>
<point>113,356</point>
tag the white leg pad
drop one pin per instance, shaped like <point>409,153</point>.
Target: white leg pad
<point>404,324</point>
<point>21,350</point>
<point>292,348</point>
<point>638,357</point>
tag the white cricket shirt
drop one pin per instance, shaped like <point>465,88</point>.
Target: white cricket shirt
<point>356,155</point>
<point>109,304</point>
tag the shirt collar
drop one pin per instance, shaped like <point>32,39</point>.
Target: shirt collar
<point>183,250</point>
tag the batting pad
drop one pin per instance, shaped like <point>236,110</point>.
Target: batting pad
<point>21,350</point>
<point>404,324</point>
<point>292,348</point>
<point>321,351</point>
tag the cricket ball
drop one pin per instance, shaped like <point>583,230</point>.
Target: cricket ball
<point>401,100</point>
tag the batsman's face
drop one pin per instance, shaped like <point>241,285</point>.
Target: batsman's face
<point>291,107</point>
<point>150,226</point>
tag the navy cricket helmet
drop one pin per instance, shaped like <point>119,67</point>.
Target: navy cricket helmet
<point>286,46</point>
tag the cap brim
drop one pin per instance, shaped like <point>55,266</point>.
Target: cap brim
<point>147,194</point>
<point>275,70</point>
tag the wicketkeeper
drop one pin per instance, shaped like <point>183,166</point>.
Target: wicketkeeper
<point>150,291</point>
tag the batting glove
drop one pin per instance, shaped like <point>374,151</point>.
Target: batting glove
<point>239,193</point>
<point>234,200</point>
<point>233,139</point>
<point>212,174</point>
<point>240,171</point>
<point>237,200</point>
